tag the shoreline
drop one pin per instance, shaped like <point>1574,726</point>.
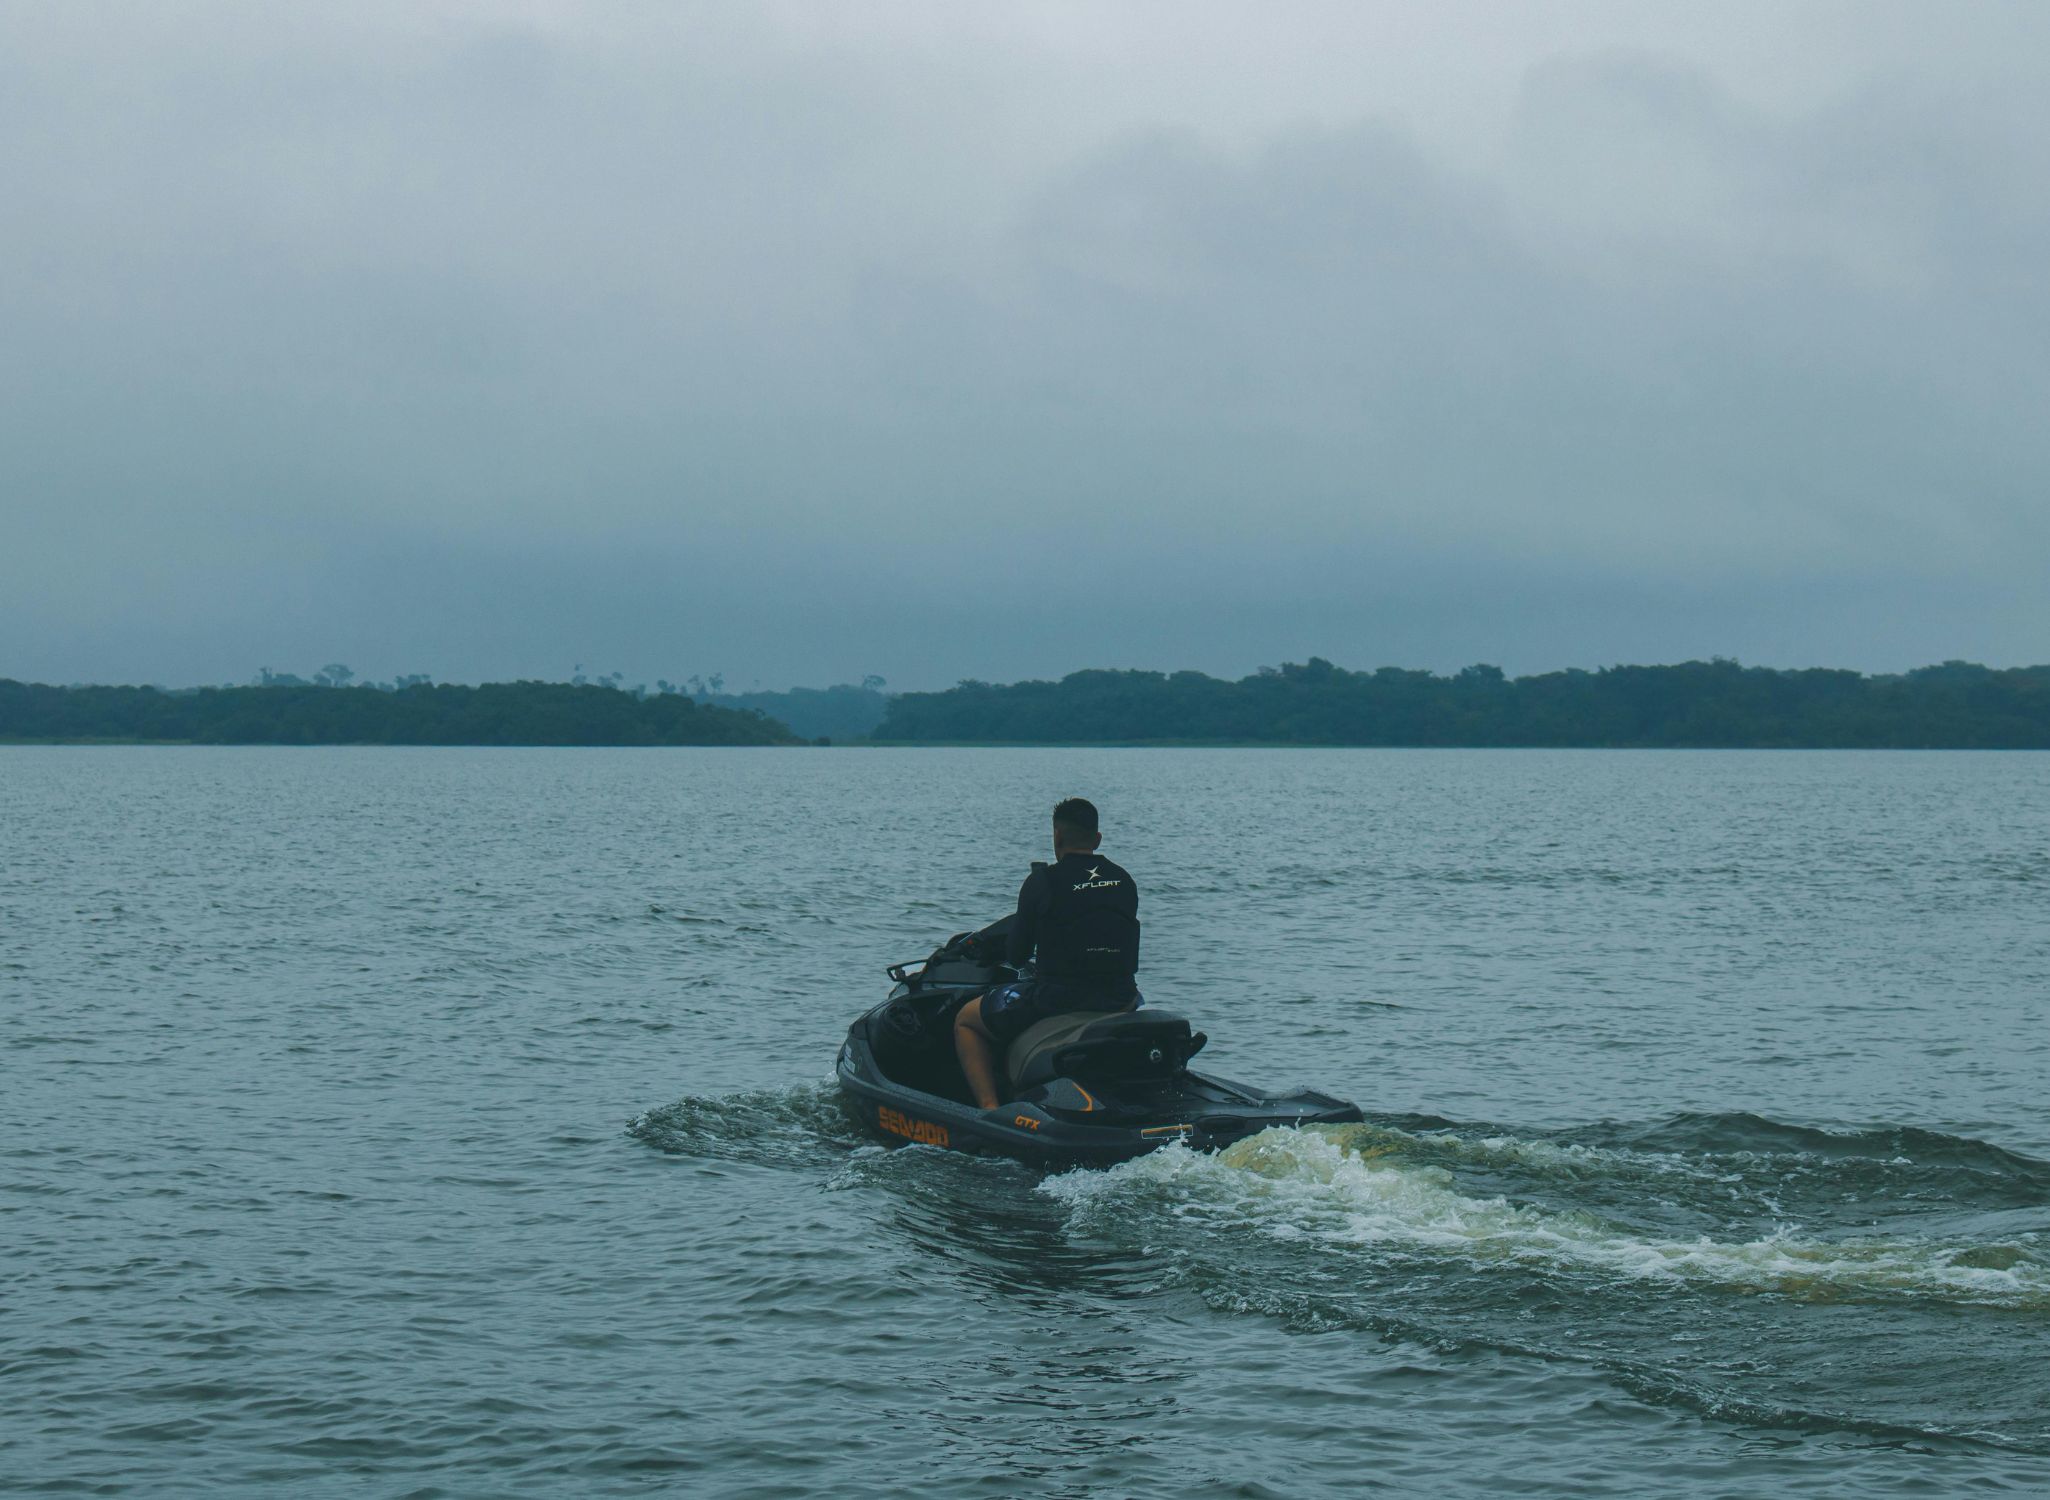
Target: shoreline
<point>12,743</point>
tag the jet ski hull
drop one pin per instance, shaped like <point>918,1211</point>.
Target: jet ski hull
<point>1094,1121</point>
<point>1030,1133</point>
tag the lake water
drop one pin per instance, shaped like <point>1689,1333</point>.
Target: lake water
<point>459,1122</point>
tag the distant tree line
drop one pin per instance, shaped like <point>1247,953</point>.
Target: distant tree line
<point>848,711</point>
<point>1958,705</point>
<point>334,674</point>
<point>419,712</point>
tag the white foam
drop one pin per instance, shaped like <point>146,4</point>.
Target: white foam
<point>1369,1141</point>
<point>1328,1185</point>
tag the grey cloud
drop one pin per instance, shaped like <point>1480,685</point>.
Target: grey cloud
<point>485,345</point>
<point>1717,370</point>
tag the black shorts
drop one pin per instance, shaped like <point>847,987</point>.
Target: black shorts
<point>1009,1009</point>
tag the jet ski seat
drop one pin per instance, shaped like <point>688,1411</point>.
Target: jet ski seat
<point>1128,1043</point>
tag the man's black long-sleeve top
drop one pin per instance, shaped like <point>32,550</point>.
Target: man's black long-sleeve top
<point>1081,916</point>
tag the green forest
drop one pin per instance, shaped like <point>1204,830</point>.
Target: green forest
<point>420,713</point>
<point>1957,705</point>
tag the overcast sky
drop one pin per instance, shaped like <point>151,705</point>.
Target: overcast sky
<point>1003,339</point>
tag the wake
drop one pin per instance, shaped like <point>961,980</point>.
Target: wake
<point>1371,1188</point>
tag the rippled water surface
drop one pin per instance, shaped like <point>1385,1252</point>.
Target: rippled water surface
<point>454,1122</point>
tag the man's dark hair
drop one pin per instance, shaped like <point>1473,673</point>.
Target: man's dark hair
<point>1078,813</point>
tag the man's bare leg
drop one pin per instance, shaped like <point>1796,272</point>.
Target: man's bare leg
<point>975,1047</point>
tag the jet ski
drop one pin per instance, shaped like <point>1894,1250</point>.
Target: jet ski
<point>1087,1088</point>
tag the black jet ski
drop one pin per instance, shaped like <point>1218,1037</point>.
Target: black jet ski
<point>1088,1087</point>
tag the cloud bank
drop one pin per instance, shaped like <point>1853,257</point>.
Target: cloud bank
<point>940,342</point>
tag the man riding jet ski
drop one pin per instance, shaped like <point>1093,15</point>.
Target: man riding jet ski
<point>1090,1077</point>
<point>1081,914</point>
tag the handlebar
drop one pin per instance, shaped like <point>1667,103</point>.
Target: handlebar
<point>960,945</point>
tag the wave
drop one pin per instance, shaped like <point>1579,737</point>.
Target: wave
<point>1343,1186</point>
<point>1740,1132</point>
<point>1733,1164</point>
<point>769,1127</point>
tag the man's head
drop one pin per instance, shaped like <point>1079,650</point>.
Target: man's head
<point>1074,827</point>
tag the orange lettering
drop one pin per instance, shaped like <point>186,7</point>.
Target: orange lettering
<point>924,1132</point>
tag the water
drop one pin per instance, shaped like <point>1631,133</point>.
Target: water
<point>458,1123</point>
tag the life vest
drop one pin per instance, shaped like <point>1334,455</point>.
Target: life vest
<point>1090,931</point>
